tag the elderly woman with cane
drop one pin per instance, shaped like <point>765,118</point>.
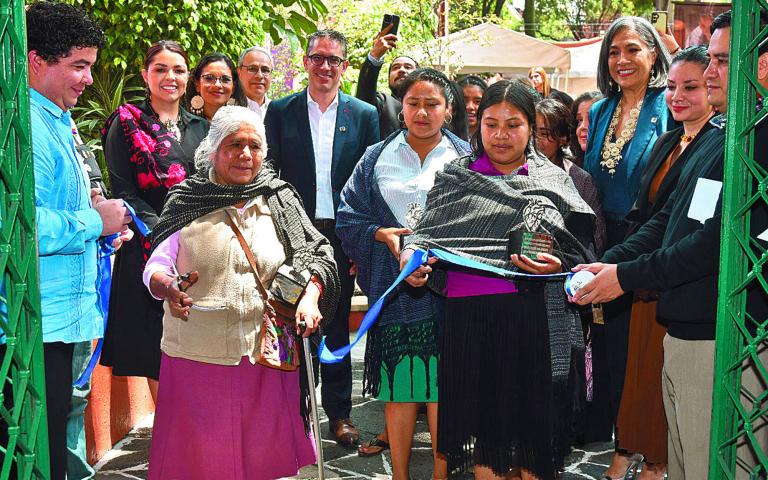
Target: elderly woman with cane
<point>221,238</point>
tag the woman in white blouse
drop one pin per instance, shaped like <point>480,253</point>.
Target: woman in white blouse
<point>382,201</point>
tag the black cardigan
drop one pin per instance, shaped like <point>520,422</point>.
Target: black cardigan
<point>676,255</point>
<point>643,208</point>
<point>388,106</point>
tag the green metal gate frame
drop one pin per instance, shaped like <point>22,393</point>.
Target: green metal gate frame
<point>737,412</point>
<point>22,381</point>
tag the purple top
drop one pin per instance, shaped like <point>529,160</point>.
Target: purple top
<point>484,166</point>
<point>462,284</point>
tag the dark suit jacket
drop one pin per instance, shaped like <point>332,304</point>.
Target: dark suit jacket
<point>388,106</point>
<point>289,143</point>
<point>643,208</point>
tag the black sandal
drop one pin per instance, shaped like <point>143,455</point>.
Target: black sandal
<point>375,443</point>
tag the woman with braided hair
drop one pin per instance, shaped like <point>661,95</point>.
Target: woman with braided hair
<point>214,309</point>
<point>382,201</point>
<point>508,350</point>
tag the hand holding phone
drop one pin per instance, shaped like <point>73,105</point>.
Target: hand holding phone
<point>660,20</point>
<point>390,19</point>
<point>386,39</point>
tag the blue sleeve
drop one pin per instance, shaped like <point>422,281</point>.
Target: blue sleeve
<point>59,231</point>
<point>356,224</point>
<point>373,133</point>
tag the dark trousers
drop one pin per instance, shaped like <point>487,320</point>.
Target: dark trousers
<point>58,395</point>
<point>336,379</point>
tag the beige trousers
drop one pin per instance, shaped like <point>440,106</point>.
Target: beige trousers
<point>686,386</point>
<point>687,382</point>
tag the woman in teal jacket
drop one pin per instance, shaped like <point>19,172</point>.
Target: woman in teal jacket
<point>623,127</point>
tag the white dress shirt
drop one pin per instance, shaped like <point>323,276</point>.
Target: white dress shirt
<point>404,180</point>
<point>323,126</point>
<point>260,110</point>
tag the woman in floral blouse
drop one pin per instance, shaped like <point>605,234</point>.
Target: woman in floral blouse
<point>149,148</point>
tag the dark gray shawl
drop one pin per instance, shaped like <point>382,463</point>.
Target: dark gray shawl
<point>305,247</point>
<point>472,214</point>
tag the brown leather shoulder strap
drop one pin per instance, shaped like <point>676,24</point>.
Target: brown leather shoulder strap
<point>249,256</point>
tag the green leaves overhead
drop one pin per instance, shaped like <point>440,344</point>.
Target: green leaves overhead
<point>200,26</point>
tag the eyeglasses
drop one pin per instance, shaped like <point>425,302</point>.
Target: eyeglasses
<point>317,60</point>
<point>254,69</point>
<point>211,79</point>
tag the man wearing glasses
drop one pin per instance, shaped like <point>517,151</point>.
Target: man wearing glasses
<point>315,138</point>
<point>255,68</point>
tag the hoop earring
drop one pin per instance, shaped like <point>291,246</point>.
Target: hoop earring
<point>448,118</point>
<point>196,105</point>
<point>401,118</point>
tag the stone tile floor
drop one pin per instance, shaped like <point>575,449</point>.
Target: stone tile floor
<point>128,460</point>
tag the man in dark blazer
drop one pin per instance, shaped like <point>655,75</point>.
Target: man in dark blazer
<point>315,138</point>
<point>388,106</point>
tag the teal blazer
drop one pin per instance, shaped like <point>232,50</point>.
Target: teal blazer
<point>619,191</point>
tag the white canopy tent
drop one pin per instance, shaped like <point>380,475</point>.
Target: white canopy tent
<point>584,55</point>
<point>491,48</point>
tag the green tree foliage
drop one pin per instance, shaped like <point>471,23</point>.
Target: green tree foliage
<point>361,21</point>
<point>200,26</point>
<point>577,19</point>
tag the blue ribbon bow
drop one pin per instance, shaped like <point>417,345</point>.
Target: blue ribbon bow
<point>418,259</point>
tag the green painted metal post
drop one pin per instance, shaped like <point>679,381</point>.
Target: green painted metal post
<point>23,425</point>
<point>740,337</point>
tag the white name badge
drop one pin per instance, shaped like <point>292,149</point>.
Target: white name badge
<point>704,199</point>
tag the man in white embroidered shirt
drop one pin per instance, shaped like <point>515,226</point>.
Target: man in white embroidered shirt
<point>315,138</point>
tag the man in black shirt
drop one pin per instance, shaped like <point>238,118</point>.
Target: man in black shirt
<point>388,106</point>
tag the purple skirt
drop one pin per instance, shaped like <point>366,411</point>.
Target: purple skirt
<point>237,422</point>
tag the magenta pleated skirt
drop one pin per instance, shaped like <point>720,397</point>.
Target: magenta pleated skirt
<point>227,422</point>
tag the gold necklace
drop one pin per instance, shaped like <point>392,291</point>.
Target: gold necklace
<point>612,149</point>
<point>687,138</point>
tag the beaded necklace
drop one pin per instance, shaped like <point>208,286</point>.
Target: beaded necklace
<point>612,148</point>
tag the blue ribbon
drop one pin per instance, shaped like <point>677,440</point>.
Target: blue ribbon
<point>418,259</point>
<point>104,281</point>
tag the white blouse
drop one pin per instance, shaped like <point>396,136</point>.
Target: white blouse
<point>404,180</point>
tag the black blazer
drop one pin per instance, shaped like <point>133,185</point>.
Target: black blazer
<point>643,209</point>
<point>289,143</point>
<point>388,106</point>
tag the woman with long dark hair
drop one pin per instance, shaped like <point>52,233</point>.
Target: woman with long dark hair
<point>641,423</point>
<point>473,88</point>
<point>382,202</point>
<point>149,148</point>
<point>505,377</point>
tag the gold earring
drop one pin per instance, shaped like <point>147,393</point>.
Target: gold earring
<point>196,105</point>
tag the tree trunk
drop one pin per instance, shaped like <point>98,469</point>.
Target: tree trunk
<point>529,18</point>
<point>498,7</point>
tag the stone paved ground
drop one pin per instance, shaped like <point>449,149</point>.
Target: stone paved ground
<point>128,460</point>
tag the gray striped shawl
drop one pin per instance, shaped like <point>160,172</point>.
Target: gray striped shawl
<point>472,214</point>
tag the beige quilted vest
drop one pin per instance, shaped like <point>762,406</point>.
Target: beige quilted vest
<point>225,319</point>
